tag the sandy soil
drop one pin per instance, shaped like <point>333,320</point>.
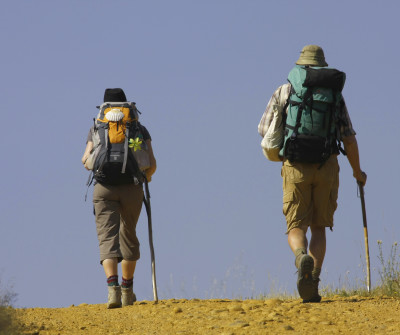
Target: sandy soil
<point>337,315</point>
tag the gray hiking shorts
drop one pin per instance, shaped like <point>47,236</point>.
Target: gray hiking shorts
<point>117,210</point>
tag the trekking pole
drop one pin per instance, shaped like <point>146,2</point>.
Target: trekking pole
<point>364,214</point>
<point>146,201</point>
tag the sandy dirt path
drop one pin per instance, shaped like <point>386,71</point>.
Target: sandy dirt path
<point>337,315</point>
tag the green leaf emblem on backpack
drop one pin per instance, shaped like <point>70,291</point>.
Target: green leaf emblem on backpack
<point>136,144</point>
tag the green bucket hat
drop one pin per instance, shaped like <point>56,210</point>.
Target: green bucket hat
<point>312,55</point>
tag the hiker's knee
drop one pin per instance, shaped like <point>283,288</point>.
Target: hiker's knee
<point>297,233</point>
<point>301,229</point>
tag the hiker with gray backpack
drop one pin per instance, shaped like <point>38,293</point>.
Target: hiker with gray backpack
<point>303,126</point>
<point>119,154</point>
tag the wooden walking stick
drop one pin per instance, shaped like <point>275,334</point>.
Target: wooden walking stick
<point>146,201</point>
<point>364,214</point>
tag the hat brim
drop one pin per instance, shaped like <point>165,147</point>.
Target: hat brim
<point>311,62</point>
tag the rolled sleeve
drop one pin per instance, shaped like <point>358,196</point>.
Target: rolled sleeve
<point>345,125</point>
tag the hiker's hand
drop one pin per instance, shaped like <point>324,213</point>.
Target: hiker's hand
<point>361,177</point>
<point>148,175</point>
<point>86,167</point>
<point>86,154</point>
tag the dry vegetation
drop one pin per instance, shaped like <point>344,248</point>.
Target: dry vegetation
<point>342,311</point>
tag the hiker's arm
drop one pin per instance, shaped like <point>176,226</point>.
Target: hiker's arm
<point>351,148</point>
<point>153,164</point>
<point>278,99</point>
<point>89,147</point>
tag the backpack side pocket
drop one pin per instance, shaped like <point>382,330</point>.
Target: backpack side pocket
<point>142,156</point>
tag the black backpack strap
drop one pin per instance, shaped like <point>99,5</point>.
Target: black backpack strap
<point>331,114</point>
<point>103,108</point>
<point>302,106</point>
<point>328,139</point>
<point>89,182</point>
<point>298,123</point>
<point>338,123</point>
<point>284,113</point>
<point>340,148</point>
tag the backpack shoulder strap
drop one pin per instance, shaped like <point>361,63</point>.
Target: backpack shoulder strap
<point>134,111</point>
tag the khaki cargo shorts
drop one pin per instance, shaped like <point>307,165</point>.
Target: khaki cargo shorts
<point>310,193</point>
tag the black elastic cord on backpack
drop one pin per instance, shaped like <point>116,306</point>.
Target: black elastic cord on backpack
<point>302,106</point>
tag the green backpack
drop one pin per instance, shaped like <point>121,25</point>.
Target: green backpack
<point>312,114</point>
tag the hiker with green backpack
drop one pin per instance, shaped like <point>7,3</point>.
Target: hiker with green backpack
<point>303,126</point>
<point>119,154</point>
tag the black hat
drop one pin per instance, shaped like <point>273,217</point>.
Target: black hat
<point>114,95</point>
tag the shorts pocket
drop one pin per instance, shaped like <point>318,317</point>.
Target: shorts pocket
<point>288,199</point>
<point>293,172</point>
<point>333,199</point>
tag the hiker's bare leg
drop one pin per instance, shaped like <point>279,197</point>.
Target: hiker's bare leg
<point>297,239</point>
<point>318,246</point>
<point>110,267</point>
<point>128,269</point>
<point>304,263</point>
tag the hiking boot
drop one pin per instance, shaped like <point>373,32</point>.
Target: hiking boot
<point>305,284</point>
<point>114,297</point>
<point>128,297</point>
<point>315,297</point>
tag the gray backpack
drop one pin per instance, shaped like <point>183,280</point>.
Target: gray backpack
<point>119,153</point>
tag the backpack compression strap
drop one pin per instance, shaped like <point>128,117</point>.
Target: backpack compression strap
<point>302,106</point>
<point>126,147</point>
<point>308,100</point>
<point>328,140</point>
<point>126,142</point>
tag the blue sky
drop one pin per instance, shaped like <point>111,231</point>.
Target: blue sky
<point>201,72</point>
